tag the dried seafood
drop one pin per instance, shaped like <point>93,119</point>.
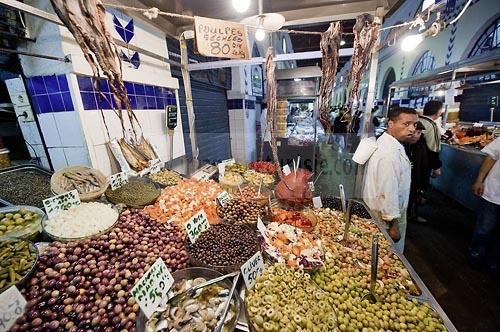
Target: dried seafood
<point>329,44</point>
<point>86,20</point>
<point>272,105</point>
<point>83,181</point>
<point>366,32</point>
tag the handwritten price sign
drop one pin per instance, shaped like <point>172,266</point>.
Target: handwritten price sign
<point>12,305</point>
<point>155,166</point>
<point>117,180</point>
<point>222,165</point>
<point>197,225</point>
<point>62,202</point>
<point>252,269</point>
<point>223,198</point>
<point>153,287</point>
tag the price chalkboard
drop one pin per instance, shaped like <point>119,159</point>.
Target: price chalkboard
<point>12,305</point>
<point>493,101</point>
<point>223,198</point>
<point>56,204</point>
<point>117,180</point>
<point>197,225</point>
<point>171,117</point>
<point>153,287</point>
<point>224,39</point>
<point>252,269</point>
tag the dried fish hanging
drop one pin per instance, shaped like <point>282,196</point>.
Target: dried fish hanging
<point>329,45</point>
<point>271,105</point>
<point>86,20</point>
<point>366,33</point>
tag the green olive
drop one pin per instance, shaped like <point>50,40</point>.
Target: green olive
<point>17,216</point>
<point>9,215</point>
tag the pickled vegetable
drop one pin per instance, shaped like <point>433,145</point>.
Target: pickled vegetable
<point>16,259</point>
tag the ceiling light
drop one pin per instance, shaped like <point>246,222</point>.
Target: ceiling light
<point>441,91</point>
<point>342,42</point>
<point>241,5</point>
<point>260,34</point>
<point>297,79</point>
<point>411,42</point>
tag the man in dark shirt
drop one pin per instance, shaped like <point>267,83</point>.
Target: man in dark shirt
<point>432,111</point>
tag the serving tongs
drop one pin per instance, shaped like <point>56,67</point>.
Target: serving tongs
<point>347,220</point>
<point>191,291</point>
<point>371,296</point>
<point>220,323</point>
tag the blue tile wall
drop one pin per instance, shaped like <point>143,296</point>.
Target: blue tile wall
<point>141,96</point>
<point>50,94</point>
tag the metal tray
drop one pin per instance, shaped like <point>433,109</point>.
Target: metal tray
<point>23,168</point>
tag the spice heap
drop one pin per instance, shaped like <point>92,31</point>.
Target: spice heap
<point>265,167</point>
<point>17,221</point>
<point>25,188</point>
<point>287,300</point>
<point>181,202</point>
<point>224,245</point>
<point>255,178</point>
<point>239,211</point>
<point>84,285</point>
<point>82,220</point>
<point>166,177</point>
<point>16,257</point>
<point>135,193</point>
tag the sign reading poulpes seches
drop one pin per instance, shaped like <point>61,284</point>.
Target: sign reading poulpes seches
<point>117,180</point>
<point>223,39</point>
<point>252,269</point>
<point>12,305</point>
<point>153,287</point>
<point>62,202</point>
<point>197,225</point>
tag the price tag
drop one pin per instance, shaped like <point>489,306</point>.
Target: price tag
<point>153,287</point>
<point>311,186</point>
<point>477,125</point>
<point>252,268</point>
<point>317,202</point>
<point>197,225</point>
<point>286,170</point>
<point>155,166</point>
<point>222,165</point>
<point>261,227</point>
<point>223,198</point>
<point>200,176</point>
<point>62,202</point>
<point>12,305</point>
<point>228,161</point>
<point>117,180</point>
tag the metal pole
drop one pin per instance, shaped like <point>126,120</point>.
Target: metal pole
<point>189,97</point>
<point>6,50</point>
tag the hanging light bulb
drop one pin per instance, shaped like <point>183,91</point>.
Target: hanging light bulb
<point>260,34</point>
<point>241,5</point>
<point>411,42</point>
<point>342,42</point>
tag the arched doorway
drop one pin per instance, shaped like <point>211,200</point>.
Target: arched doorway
<point>390,77</point>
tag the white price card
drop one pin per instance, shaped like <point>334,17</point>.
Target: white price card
<point>117,180</point>
<point>261,227</point>
<point>252,269</point>
<point>311,186</point>
<point>317,202</point>
<point>223,198</point>
<point>12,305</point>
<point>286,170</point>
<point>197,225</point>
<point>200,176</point>
<point>222,169</point>
<point>155,166</point>
<point>62,202</point>
<point>153,287</point>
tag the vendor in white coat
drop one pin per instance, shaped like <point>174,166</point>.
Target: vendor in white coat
<point>388,174</point>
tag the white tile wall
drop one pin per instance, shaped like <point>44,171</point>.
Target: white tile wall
<point>70,129</point>
<point>77,156</point>
<point>49,129</point>
<point>58,158</point>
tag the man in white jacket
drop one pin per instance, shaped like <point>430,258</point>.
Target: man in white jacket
<point>388,174</point>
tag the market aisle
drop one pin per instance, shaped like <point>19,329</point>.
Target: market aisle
<point>437,251</point>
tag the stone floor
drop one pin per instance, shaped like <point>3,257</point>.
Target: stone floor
<point>437,251</point>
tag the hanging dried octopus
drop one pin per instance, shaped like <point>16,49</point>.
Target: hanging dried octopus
<point>272,105</point>
<point>86,20</point>
<point>366,32</point>
<point>329,44</point>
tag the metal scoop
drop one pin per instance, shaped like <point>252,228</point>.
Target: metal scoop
<point>347,226</point>
<point>371,296</point>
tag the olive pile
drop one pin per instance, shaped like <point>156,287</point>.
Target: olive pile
<point>236,168</point>
<point>16,259</point>
<point>14,221</point>
<point>224,245</point>
<point>84,285</point>
<point>240,211</point>
<point>336,204</point>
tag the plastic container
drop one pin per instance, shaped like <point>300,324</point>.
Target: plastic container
<point>4,158</point>
<point>31,230</point>
<point>208,274</point>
